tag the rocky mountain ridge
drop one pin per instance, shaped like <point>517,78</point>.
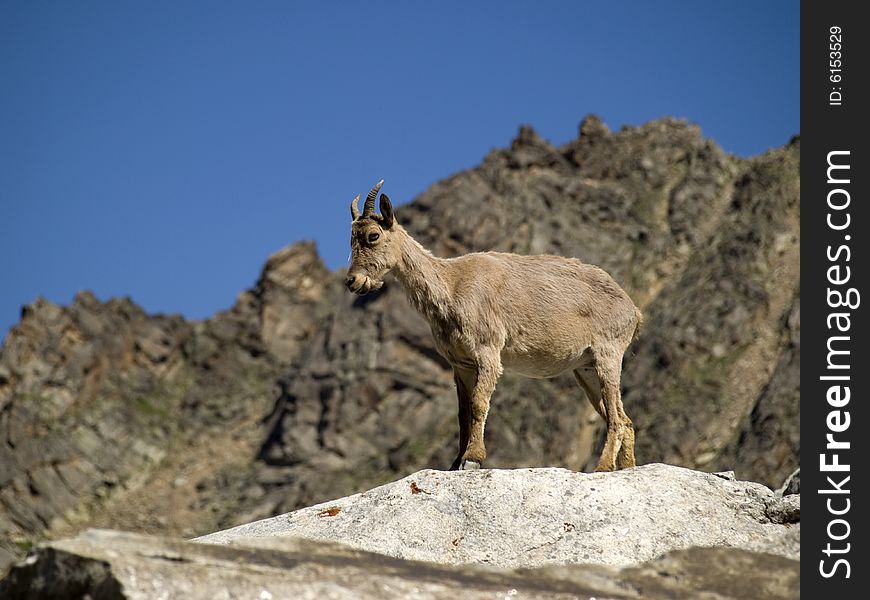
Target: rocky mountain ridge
<point>301,392</point>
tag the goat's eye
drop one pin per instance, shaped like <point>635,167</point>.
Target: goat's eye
<point>373,237</point>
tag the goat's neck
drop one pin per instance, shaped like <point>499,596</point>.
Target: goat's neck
<point>422,276</point>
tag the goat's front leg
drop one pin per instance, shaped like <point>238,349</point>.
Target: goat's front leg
<point>488,371</point>
<point>464,380</point>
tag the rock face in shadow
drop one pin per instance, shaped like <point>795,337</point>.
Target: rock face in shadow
<point>534,517</point>
<point>112,417</point>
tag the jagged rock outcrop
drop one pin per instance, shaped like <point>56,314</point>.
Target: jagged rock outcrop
<point>517,518</point>
<point>301,392</point>
<point>97,395</point>
<point>121,566</point>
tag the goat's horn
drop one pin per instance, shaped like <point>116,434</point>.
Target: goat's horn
<point>354,208</point>
<point>369,206</point>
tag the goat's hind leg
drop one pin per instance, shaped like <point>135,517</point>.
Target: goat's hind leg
<point>618,449</point>
<point>625,456</point>
<point>588,380</point>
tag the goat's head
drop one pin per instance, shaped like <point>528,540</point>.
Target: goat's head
<point>372,245</point>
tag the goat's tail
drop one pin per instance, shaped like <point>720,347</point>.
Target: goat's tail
<point>637,327</point>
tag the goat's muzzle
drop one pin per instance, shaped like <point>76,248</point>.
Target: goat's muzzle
<point>362,284</point>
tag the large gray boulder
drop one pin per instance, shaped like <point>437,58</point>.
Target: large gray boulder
<point>532,517</point>
<point>111,565</point>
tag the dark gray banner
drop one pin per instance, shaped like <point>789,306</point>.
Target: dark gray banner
<point>834,374</point>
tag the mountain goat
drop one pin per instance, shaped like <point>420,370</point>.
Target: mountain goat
<point>536,315</point>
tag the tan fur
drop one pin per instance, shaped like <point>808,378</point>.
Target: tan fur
<point>537,315</point>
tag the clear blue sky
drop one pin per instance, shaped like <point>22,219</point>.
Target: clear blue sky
<point>163,150</point>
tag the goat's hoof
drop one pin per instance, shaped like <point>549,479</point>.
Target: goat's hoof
<point>469,465</point>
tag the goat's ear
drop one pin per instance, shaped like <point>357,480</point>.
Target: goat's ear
<point>386,212</point>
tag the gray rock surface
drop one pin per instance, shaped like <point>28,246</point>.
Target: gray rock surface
<point>111,565</point>
<point>534,517</point>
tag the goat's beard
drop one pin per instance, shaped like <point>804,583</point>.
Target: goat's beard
<point>368,285</point>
